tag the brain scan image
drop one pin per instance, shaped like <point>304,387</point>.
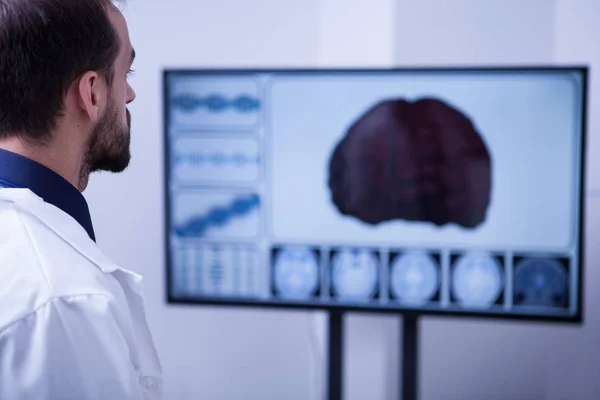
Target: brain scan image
<point>541,282</point>
<point>418,160</point>
<point>477,280</point>
<point>414,278</point>
<point>296,272</point>
<point>354,274</point>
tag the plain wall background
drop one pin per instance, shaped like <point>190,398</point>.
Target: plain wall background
<point>231,354</point>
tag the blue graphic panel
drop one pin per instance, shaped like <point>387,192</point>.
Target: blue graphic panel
<point>198,103</point>
<point>216,160</point>
<point>217,215</point>
<point>189,102</point>
<point>224,270</point>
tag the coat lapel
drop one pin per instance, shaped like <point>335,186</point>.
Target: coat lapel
<point>72,233</point>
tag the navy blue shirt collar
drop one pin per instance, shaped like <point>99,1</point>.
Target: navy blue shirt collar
<point>17,171</point>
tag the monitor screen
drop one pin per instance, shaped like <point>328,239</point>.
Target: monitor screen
<point>435,191</point>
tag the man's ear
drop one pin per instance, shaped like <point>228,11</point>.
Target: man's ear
<point>91,95</point>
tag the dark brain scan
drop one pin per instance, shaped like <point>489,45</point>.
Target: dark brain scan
<point>414,161</point>
<point>541,282</point>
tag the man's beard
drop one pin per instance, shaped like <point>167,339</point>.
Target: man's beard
<point>108,147</point>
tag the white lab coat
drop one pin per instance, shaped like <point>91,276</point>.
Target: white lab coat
<point>72,323</point>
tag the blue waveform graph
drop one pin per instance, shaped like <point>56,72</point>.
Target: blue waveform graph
<point>219,159</point>
<point>216,160</point>
<point>218,216</point>
<point>215,103</point>
<point>236,108</point>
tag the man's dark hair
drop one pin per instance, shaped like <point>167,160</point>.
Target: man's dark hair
<point>44,46</point>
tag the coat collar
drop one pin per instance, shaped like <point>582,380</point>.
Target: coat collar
<point>17,171</point>
<point>62,225</point>
<point>75,236</point>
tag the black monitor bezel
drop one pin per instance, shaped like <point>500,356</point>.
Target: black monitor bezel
<point>576,318</point>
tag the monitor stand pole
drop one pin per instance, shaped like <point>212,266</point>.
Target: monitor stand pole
<point>336,357</point>
<point>410,356</point>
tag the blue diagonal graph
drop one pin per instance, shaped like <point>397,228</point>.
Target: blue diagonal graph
<point>218,216</point>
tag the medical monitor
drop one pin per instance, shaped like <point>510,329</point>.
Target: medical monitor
<point>453,191</point>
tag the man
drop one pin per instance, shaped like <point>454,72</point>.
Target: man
<point>72,323</point>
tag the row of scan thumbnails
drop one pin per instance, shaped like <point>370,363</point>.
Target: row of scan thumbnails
<point>475,279</point>
<point>367,276</point>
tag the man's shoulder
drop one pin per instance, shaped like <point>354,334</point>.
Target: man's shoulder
<point>38,267</point>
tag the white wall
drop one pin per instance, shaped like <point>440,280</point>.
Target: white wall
<point>574,360</point>
<point>467,32</point>
<point>231,354</point>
